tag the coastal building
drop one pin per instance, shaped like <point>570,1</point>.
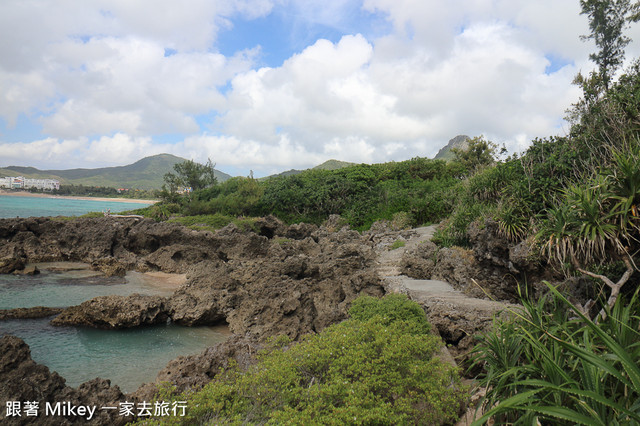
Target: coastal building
<point>19,182</point>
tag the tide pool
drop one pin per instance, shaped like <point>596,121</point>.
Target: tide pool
<point>59,289</point>
<point>126,357</point>
<point>14,206</point>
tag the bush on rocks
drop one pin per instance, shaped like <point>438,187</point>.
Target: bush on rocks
<point>378,367</point>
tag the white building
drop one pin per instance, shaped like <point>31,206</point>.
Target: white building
<point>20,182</point>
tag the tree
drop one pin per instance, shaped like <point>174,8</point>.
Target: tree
<point>607,21</point>
<point>479,153</point>
<point>189,176</point>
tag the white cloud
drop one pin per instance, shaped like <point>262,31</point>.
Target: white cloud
<point>331,95</point>
<point>129,85</point>
<point>104,78</point>
<point>121,148</point>
<point>45,153</point>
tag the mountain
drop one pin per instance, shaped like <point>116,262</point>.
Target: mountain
<point>333,165</point>
<point>143,174</point>
<point>460,142</point>
<point>327,165</point>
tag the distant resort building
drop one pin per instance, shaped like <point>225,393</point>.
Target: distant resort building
<point>20,182</point>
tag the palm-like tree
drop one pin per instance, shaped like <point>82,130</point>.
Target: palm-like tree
<point>598,221</point>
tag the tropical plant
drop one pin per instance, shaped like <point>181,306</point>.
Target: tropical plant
<point>188,176</point>
<point>607,21</point>
<point>479,153</point>
<point>597,222</point>
<point>551,364</point>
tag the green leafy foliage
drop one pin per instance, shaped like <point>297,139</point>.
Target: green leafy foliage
<point>187,176</point>
<point>553,365</point>
<point>479,153</point>
<point>409,192</point>
<point>397,244</point>
<point>379,367</point>
<point>214,222</point>
<point>390,309</point>
<point>607,21</point>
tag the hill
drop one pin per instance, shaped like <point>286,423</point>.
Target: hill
<point>333,165</point>
<point>445,153</point>
<point>146,173</point>
<point>327,165</point>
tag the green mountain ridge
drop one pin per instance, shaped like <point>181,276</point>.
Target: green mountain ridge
<point>146,173</point>
<point>327,165</point>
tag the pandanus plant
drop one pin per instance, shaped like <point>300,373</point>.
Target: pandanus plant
<point>598,221</point>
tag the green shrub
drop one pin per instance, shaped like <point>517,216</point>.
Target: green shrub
<point>214,222</point>
<point>401,220</point>
<point>392,308</point>
<point>453,231</point>
<point>379,367</point>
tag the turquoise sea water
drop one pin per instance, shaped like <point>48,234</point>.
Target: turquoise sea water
<point>126,357</point>
<point>12,206</point>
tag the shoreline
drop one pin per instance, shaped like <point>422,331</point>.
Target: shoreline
<point>71,197</point>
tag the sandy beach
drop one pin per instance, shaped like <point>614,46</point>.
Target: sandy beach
<point>40,195</point>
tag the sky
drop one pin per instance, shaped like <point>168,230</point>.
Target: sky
<point>271,85</point>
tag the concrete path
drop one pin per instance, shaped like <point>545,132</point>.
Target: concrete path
<point>427,291</point>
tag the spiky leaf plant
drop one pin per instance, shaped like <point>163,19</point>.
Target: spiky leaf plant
<point>563,368</point>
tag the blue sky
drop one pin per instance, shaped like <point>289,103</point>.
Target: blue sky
<point>270,85</point>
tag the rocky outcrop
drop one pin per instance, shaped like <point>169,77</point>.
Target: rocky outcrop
<point>459,324</point>
<point>278,280</point>
<point>114,245</point>
<point>300,286</point>
<point>493,268</point>
<point>110,267</point>
<point>115,312</point>
<point>292,280</point>
<point>24,380</point>
<point>194,371</point>
<point>420,261</point>
<point>28,313</point>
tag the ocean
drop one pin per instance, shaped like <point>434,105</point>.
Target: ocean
<point>14,206</point>
<point>128,358</point>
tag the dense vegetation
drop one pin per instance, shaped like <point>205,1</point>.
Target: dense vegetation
<point>378,367</point>
<point>102,191</point>
<point>422,188</point>
<point>554,365</point>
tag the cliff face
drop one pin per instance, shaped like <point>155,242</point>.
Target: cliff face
<point>460,142</point>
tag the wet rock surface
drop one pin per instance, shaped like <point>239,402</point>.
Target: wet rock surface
<point>24,380</point>
<point>115,312</point>
<point>29,313</point>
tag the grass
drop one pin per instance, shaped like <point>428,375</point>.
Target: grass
<point>397,244</point>
<point>214,222</point>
